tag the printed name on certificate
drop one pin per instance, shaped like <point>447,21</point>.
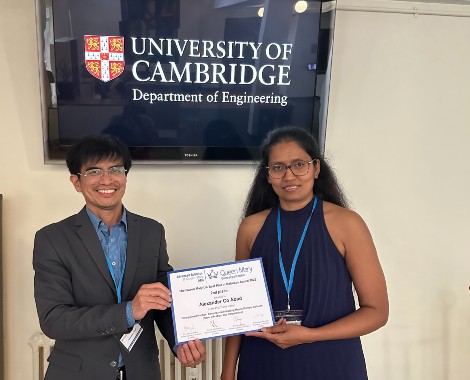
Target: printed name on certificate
<point>220,300</point>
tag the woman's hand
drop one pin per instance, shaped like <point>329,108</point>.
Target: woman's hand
<point>285,335</point>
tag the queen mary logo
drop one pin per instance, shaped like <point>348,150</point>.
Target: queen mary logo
<point>104,56</point>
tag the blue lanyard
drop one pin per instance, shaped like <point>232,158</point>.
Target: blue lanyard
<point>117,284</point>
<point>288,285</point>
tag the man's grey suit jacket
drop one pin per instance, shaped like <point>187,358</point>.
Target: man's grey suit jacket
<point>77,303</point>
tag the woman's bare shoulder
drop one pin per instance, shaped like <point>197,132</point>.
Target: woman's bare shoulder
<point>341,215</point>
<point>343,224</point>
<point>253,223</point>
<point>247,233</point>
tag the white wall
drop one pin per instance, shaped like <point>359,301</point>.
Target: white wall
<point>397,135</point>
<point>200,206</point>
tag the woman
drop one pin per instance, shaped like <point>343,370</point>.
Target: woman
<point>313,249</point>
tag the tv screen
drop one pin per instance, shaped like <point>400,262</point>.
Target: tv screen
<point>184,80</point>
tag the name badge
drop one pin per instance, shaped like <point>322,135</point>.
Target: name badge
<point>292,317</point>
<point>128,340</point>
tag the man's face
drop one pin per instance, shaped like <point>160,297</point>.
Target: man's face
<point>104,192</point>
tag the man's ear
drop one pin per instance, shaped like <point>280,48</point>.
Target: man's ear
<point>76,182</point>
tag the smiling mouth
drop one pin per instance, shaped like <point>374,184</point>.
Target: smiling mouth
<point>291,188</point>
<point>108,191</point>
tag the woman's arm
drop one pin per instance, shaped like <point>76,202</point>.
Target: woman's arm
<point>246,235</point>
<point>232,348</point>
<point>354,242</point>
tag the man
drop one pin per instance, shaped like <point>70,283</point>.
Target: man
<point>101,277</point>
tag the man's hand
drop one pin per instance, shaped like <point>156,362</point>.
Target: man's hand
<point>192,353</point>
<point>154,296</point>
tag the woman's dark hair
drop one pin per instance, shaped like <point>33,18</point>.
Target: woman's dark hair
<point>262,196</point>
<point>97,148</point>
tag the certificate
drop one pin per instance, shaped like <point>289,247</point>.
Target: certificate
<point>220,300</point>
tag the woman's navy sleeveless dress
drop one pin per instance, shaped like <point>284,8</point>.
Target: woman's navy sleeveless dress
<point>322,289</point>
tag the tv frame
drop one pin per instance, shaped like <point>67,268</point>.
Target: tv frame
<point>55,152</point>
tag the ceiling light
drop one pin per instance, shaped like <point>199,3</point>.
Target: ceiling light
<point>301,6</point>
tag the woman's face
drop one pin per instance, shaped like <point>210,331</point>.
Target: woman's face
<point>294,191</point>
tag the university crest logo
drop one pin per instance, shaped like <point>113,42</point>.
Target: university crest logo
<point>104,56</point>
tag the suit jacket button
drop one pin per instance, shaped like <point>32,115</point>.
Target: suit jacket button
<point>113,364</point>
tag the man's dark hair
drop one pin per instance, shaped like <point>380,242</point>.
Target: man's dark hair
<point>261,195</point>
<point>97,148</point>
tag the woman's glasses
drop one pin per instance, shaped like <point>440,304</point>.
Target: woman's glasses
<point>298,168</point>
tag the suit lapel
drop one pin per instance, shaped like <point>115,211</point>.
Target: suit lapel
<point>133,252</point>
<point>90,240</point>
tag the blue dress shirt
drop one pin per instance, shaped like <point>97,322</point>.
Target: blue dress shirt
<point>114,243</point>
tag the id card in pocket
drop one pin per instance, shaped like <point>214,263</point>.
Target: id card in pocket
<point>128,340</point>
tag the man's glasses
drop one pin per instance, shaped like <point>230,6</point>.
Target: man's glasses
<point>113,172</point>
<point>298,168</point>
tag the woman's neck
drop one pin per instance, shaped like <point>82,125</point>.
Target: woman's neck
<point>295,205</point>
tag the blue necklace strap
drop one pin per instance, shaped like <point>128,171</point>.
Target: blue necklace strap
<point>288,284</point>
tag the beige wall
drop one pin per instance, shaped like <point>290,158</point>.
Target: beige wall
<point>398,136</point>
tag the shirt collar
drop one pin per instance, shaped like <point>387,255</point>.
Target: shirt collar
<point>97,221</point>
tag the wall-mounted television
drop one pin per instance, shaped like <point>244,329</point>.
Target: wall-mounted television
<point>197,81</point>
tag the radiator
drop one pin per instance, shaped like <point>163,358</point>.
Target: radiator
<point>170,366</point>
